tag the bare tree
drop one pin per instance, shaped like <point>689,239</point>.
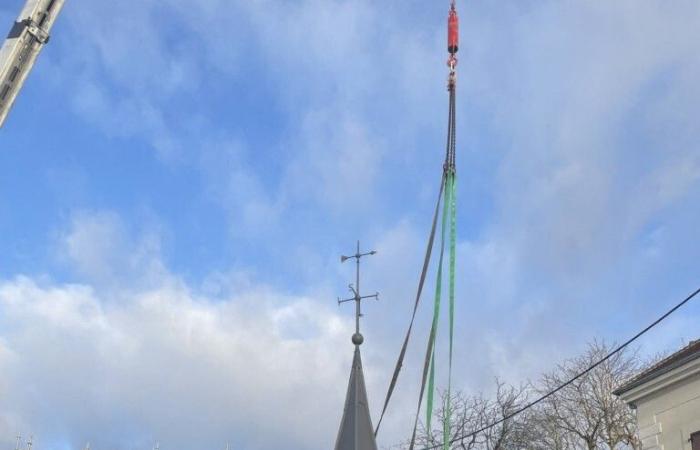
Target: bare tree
<point>511,433</point>
<point>468,414</point>
<point>585,415</point>
<point>472,413</point>
<point>586,412</point>
<point>547,436</point>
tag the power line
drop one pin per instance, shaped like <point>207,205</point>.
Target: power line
<point>580,375</point>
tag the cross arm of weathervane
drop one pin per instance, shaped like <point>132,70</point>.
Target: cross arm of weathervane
<point>357,297</point>
<point>344,258</point>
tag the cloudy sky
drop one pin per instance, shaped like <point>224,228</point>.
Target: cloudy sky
<point>179,177</point>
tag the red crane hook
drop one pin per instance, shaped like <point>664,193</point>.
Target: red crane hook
<point>453,31</point>
<point>452,35</point>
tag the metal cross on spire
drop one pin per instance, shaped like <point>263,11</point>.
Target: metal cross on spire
<point>357,297</point>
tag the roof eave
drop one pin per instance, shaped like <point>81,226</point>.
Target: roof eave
<point>655,381</point>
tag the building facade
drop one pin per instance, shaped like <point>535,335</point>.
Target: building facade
<point>667,401</point>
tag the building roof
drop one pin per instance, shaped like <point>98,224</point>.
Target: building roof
<point>688,353</point>
<point>356,431</point>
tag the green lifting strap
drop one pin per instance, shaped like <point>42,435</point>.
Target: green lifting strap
<point>448,185</point>
<point>452,180</point>
<point>431,338</point>
<point>436,309</point>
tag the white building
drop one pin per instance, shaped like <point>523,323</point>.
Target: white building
<point>667,399</point>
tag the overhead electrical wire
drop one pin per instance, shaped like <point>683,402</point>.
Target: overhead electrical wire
<point>573,379</point>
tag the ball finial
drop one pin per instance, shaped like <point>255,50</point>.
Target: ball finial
<point>357,339</point>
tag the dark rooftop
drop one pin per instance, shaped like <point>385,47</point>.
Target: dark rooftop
<point>686,354</point>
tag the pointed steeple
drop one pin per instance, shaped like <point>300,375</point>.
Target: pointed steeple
<point>356,431</point>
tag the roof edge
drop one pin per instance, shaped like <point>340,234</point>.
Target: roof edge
<point>661,368</point>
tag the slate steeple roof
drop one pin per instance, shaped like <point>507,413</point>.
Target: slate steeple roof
<point>356,431</point>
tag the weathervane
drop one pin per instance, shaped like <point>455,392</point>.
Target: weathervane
<point>357,338</point>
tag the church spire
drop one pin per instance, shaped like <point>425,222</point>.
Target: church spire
<point>356,431</point>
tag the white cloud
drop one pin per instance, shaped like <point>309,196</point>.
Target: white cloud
<point>583,100</point>
<point>100,247</point>
<point>339,165</point>
<point>125,117</point>
<point>145,80</point>
<point>134,354</point>
<point>171,365</point>
<point>250,200</point>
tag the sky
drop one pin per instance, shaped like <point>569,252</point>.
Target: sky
<point>179,177</point>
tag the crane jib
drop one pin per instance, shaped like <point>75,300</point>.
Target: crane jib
<point>27,36</point>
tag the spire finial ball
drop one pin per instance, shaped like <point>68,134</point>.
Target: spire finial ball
<point>357,339</point>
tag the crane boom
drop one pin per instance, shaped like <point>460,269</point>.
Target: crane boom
<point>28,35</point>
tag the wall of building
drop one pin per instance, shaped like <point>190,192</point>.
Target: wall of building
<point>668,417</point>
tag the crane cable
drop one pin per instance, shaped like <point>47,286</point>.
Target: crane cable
<point>447,442</point>
<point>447,188</point>
<point>448,217</point>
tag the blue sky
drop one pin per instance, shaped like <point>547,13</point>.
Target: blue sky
<point>178,178</point>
